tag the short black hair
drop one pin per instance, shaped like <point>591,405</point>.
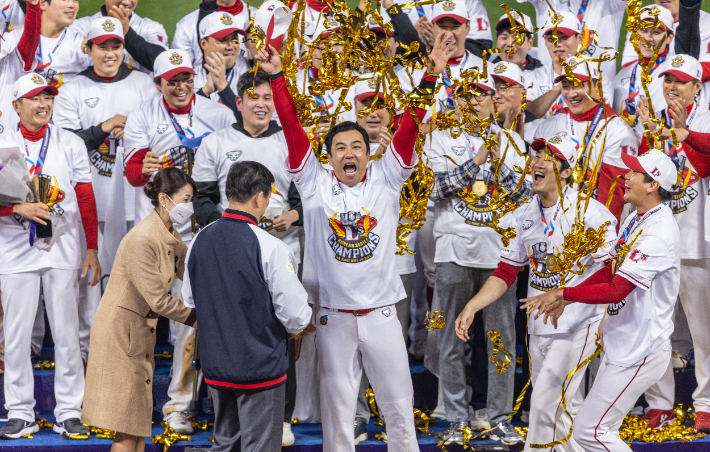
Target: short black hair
<point>169,181</point>
<point>663,193</point>
<point>250,79</point>
<point>346,126</point>
<point>505,26</point>
<point>246,179</point>
<point>565,165</point>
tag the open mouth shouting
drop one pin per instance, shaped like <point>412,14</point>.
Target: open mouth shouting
<point>350,169</point>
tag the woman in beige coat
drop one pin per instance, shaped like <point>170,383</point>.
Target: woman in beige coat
<point>119,374</point>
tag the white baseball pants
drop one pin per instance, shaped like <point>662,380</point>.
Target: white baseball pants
<point>20,296</point>
<point>552,357</point>
<point>694,289</point>
<point>614,394</point>
<point>183,374</point>
<point>347,344</point>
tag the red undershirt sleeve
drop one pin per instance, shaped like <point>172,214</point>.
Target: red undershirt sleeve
<point>606,178</point>
<point>296,138</point>
<point>643,147</point>
<point>89,218</point>
<point>609,292</point>
<point>506,272</point>
<point>6,211</point>
<point>699,160</point>
<point>27,46</point>
<point>406,135</point>
<point>706,71</point>
<point>134,169</point>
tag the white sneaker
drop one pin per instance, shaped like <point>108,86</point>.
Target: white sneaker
<point>637,411</point>
<point>180,422</point>
<point>525,416</point>
<point>288,439</point>
<point>680,361</point>
<point>479,421</point>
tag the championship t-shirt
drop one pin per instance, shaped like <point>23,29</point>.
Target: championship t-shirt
<point>531,246</point>
<point>644,319</point>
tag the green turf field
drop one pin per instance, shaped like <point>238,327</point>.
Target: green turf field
<point>168,12</point>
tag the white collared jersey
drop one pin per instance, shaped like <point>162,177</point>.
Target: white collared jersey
<point>460,227</point>
<point>629,53</point>
<point>605,17</point>
<point>186,37</point>
<point>65,165</point>
<point>241,66</point>
<point>150,128</point>
<point>351,231</point>
<point>643,320</point>
<point>84,103</point>
<point>11,68</point>
<point>61,58</point>
<point>689,200</point>
<point>227,146</point>
<point>11,16</point>
<point>148,29</point>
<point>622,85</point>
<point>530,246</point>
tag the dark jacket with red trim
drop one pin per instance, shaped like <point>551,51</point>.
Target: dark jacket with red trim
<point>243,283</point>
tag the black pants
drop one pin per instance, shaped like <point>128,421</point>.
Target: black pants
<point>248,421</point>
<point>290,381</point>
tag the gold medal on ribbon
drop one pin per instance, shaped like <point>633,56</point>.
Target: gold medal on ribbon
<point>551,262</point>
<point>480,188</point>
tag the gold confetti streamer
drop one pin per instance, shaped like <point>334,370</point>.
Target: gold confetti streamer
<point>499,347</point>
<point>169,437</point>
<point>435,320</point>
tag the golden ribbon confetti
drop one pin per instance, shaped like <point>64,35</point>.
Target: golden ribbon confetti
<point>46,365</point>
<point>435,320</point>
<point>169,437</point>
<point>165,354</point>
<point>102,433</point>
<point>498,346</point>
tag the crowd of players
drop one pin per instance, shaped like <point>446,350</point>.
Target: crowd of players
<point>77,93</point>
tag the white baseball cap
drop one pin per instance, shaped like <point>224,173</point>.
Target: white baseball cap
<point>519,18</point>
<point>105,28</point>
<point>171,63</point>
<point>454,9</point>
<point>218,25</point>
<point>508,72</point>
<point>567,24</point>
<point>685,67</point>
<point>665,17</point>
<point>367,88</point>
<point>656,164</point>
<point>322,28</point>
<point>273,19</point>
<point>29,85</point>
<point>583,70</point>
<point>560,145</point>
<point>484,84</point>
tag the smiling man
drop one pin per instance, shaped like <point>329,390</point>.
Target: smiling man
<point>541,225</point>
<point>145,38</point>
<point>681,84</point>
<point>598,133</point>
<point>350,214</point>
<point>95,105</point>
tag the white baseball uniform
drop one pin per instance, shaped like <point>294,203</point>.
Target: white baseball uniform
<point>186,37</point>
<point>555,352</point>
<point>637,330</point>
<point>11,68</point>
<point>689,205</point>
<point>150,30</point>
<point>23,268</point>
<point>82,105</point>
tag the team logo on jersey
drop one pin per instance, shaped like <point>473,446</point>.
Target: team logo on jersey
<point>479,214</point>
<point>448,6</point>
<point>353,240</point>
<point>162,128</point>
<point>91,102</point>
<point>324,320</point>
<point>614,308</point>
<point>458,150</point>
<point>387,312</point>
<point>499,68</point>
<point>541,278</point>
<point>527,224</point>
<point>337,190</point>
<point>176,156</point>
<point>104,158</point>
<point>234,155</point>
<point>685,193</point>
<point>637,256</point>
<point>226,19</point>
<point>108,26</point>
<point>677,61</point>
<point>176,59</point>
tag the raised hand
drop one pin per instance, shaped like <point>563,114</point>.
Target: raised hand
<point>217,67</point>
<point>122,14</point>
<point>645,115</point>
<point>269,61</point>
<point>444,48</point>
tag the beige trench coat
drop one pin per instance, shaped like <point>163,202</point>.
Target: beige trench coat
<point>119,376</point>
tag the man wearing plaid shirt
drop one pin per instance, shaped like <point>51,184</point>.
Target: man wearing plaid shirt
<point>466,255</point>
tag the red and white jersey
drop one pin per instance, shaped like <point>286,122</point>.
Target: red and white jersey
<point>88,101</point>
<point>151,127</point>
<point>689,200</point>
<point>644,319</point>
<point>186,38</point>
<point>240,67</point>
<point>629,54</point>
<point>351,231</point>
<point>11,68</point>
<point>58,59</point>
<point>11,16</point>
<point>531,246</point>
<point>605,17</point>
<point>227,146</point>
<point>624,92</point>
<point>460,227</point>
<point>66,165</point>
<point>148,29</point>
